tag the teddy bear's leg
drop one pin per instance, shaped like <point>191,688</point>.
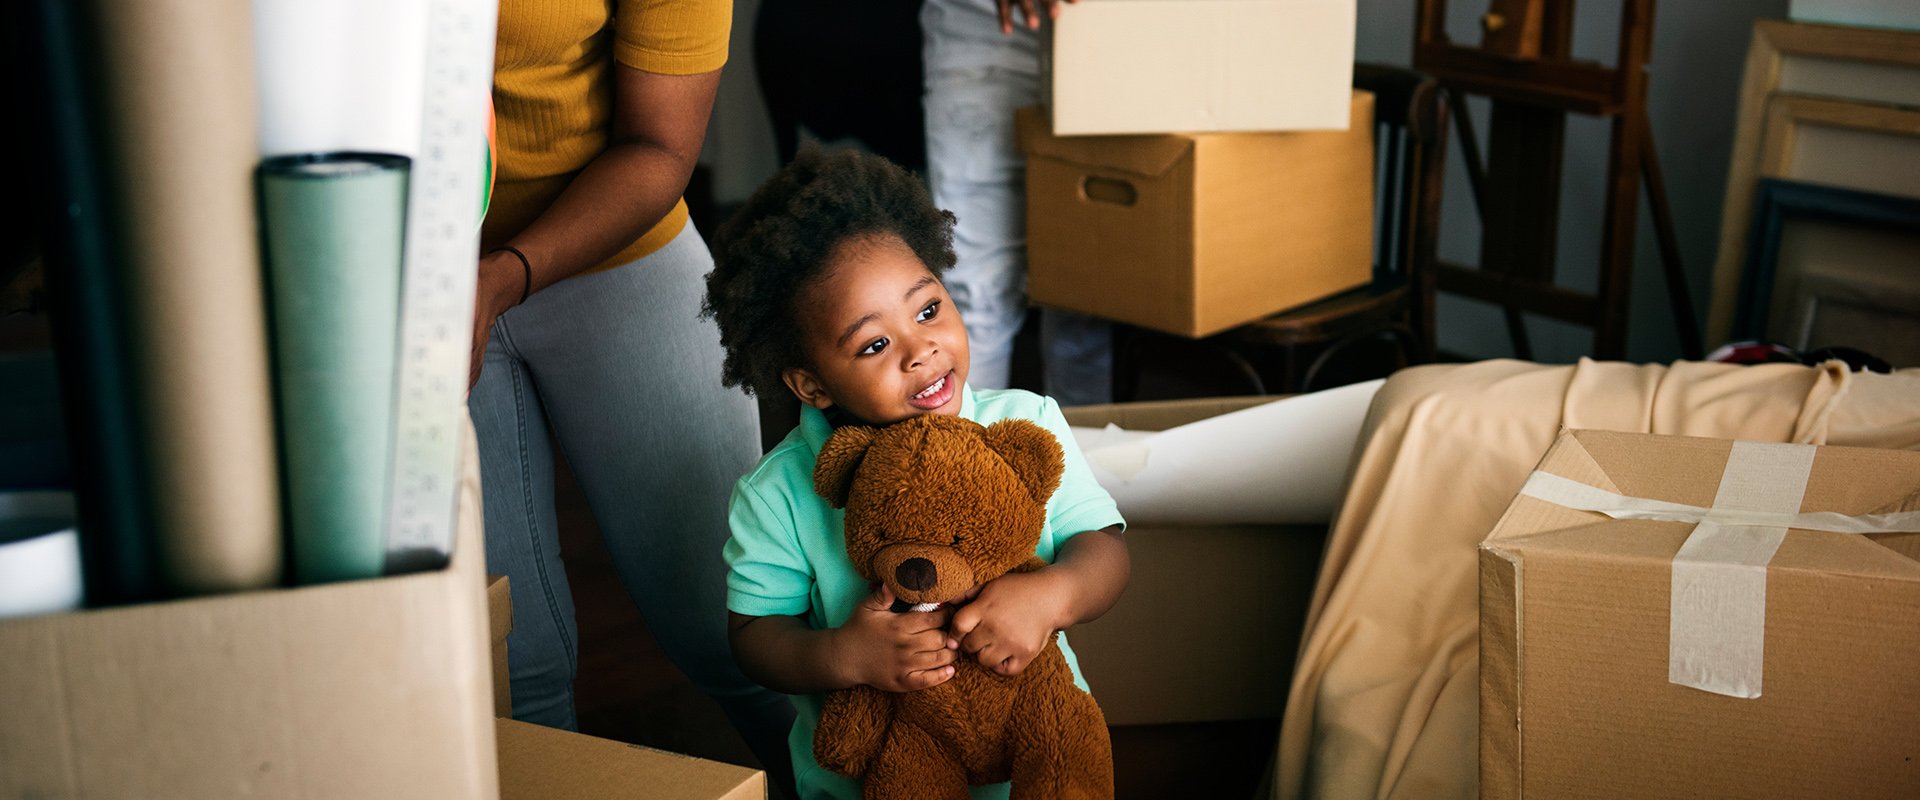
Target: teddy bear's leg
<point>1060,747</point>
<point>912,766</point>
<point>852,725</point>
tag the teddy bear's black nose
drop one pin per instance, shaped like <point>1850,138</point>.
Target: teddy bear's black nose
<point>916,574</point>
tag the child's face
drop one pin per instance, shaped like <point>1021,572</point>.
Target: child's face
<point>883,338</point>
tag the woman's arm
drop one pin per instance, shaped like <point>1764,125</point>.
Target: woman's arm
<point>658,125</point>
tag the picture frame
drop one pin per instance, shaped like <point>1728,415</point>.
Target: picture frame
<point>1778,201</point>
<point>1764,125</point>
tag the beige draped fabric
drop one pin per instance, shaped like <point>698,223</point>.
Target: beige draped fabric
<point>1384,702</point>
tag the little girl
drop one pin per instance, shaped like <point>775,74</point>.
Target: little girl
<point>827,286</point>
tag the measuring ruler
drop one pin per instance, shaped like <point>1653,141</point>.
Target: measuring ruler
<point>437,284</point>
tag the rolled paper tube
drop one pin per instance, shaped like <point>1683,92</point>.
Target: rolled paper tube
<point>39,554</point>
<point>178,135</point>
<point>333,230</point>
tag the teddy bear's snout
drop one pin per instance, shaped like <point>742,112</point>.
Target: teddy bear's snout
<point>917,574</point>
<point>923,573</point>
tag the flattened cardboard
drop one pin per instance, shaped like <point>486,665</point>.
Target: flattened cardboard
<point>1162,66</point>
<point>1209,626</point>
<point>360,689</point>
<point>499,624</point>
<point>1192,234</point>
<point>537,763</point>
<point>1575,698</point>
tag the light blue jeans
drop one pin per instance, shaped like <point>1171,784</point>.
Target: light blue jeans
<point>627,375</point>
<point>975,78</point>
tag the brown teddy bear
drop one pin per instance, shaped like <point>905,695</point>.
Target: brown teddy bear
<point>935,506</point>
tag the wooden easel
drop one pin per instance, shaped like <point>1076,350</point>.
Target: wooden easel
<point>1524,66</point>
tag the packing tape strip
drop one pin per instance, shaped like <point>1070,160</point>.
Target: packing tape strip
<point>1718,611</point>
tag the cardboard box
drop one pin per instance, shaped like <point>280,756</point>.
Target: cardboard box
<point>1616,663</point>
<point>1196,233</point>
<point>538,763</point>
<point>1164,66</point>
<point>1209,626</point>
<point>499,624</point>
<point>363,689</point>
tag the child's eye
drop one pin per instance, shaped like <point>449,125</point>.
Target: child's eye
<point>877,346</point>
<point>932,310</point>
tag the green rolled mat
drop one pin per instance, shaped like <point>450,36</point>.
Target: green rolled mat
<point>334,230</point>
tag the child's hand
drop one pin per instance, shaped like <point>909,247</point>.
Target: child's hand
<point>1012,619</point>
<point>896,652</point>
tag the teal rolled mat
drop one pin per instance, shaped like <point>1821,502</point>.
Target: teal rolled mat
<point>334,230</point>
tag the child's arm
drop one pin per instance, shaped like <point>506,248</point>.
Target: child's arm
<point>1015,615</point>
<point>876,647</point>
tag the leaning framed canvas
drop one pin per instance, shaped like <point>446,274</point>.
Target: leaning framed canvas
<point>1804,86</point>
<point>1776,202</point>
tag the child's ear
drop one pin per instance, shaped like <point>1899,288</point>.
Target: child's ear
<point>807,387</point>
<point>1032,452</point>
<point>839,457</point>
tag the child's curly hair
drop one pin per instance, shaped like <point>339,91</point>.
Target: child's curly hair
<point>783,240</point>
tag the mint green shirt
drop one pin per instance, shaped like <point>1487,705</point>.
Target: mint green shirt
<point>788,556</point>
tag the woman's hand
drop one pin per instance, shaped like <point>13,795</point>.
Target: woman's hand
<point>500,287</point>
<point>1029,9</point>
<point>895,652</point>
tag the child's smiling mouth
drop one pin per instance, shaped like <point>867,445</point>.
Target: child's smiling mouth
<point>935,395</point>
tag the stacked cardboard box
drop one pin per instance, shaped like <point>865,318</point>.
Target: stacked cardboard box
<point>1194,233</point>
<point>1153,66</point>
<point>1717,640</point>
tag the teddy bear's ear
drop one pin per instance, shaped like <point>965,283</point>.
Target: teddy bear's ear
<point>839,457</point>
<point>1032,452</point>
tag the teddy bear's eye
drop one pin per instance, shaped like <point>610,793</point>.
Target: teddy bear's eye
<point>958,539</point>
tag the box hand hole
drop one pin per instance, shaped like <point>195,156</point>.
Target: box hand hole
<point>1107,190</point>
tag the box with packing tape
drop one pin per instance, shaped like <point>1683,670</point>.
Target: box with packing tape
<point>1192,234</point>
<point>1664,616</point>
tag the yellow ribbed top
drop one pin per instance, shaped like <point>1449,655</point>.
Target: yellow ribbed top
<point>553,94</point>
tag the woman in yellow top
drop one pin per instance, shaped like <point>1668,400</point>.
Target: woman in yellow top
<point>588,320</point>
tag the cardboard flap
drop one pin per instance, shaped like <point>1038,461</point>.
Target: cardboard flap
<point>1146,156</point>
<point>1567,457</point>
<point>1689,470</point>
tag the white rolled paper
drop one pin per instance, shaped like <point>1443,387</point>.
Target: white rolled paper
<point>340,76</point>
<point>39,554</point>
<point>1281,463</point>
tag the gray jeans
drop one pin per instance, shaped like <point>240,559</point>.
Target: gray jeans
<point>975,78</point>
<point>627,375</point>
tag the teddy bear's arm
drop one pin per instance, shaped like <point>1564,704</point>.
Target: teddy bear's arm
<point>853,725</point>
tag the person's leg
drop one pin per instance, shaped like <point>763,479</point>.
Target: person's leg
<point>522,536</point>
<point>1077,355</point>
<point>633,389</point>
<point>976,77</point>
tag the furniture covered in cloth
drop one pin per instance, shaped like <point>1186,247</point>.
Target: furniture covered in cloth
<point>1384,700</point>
